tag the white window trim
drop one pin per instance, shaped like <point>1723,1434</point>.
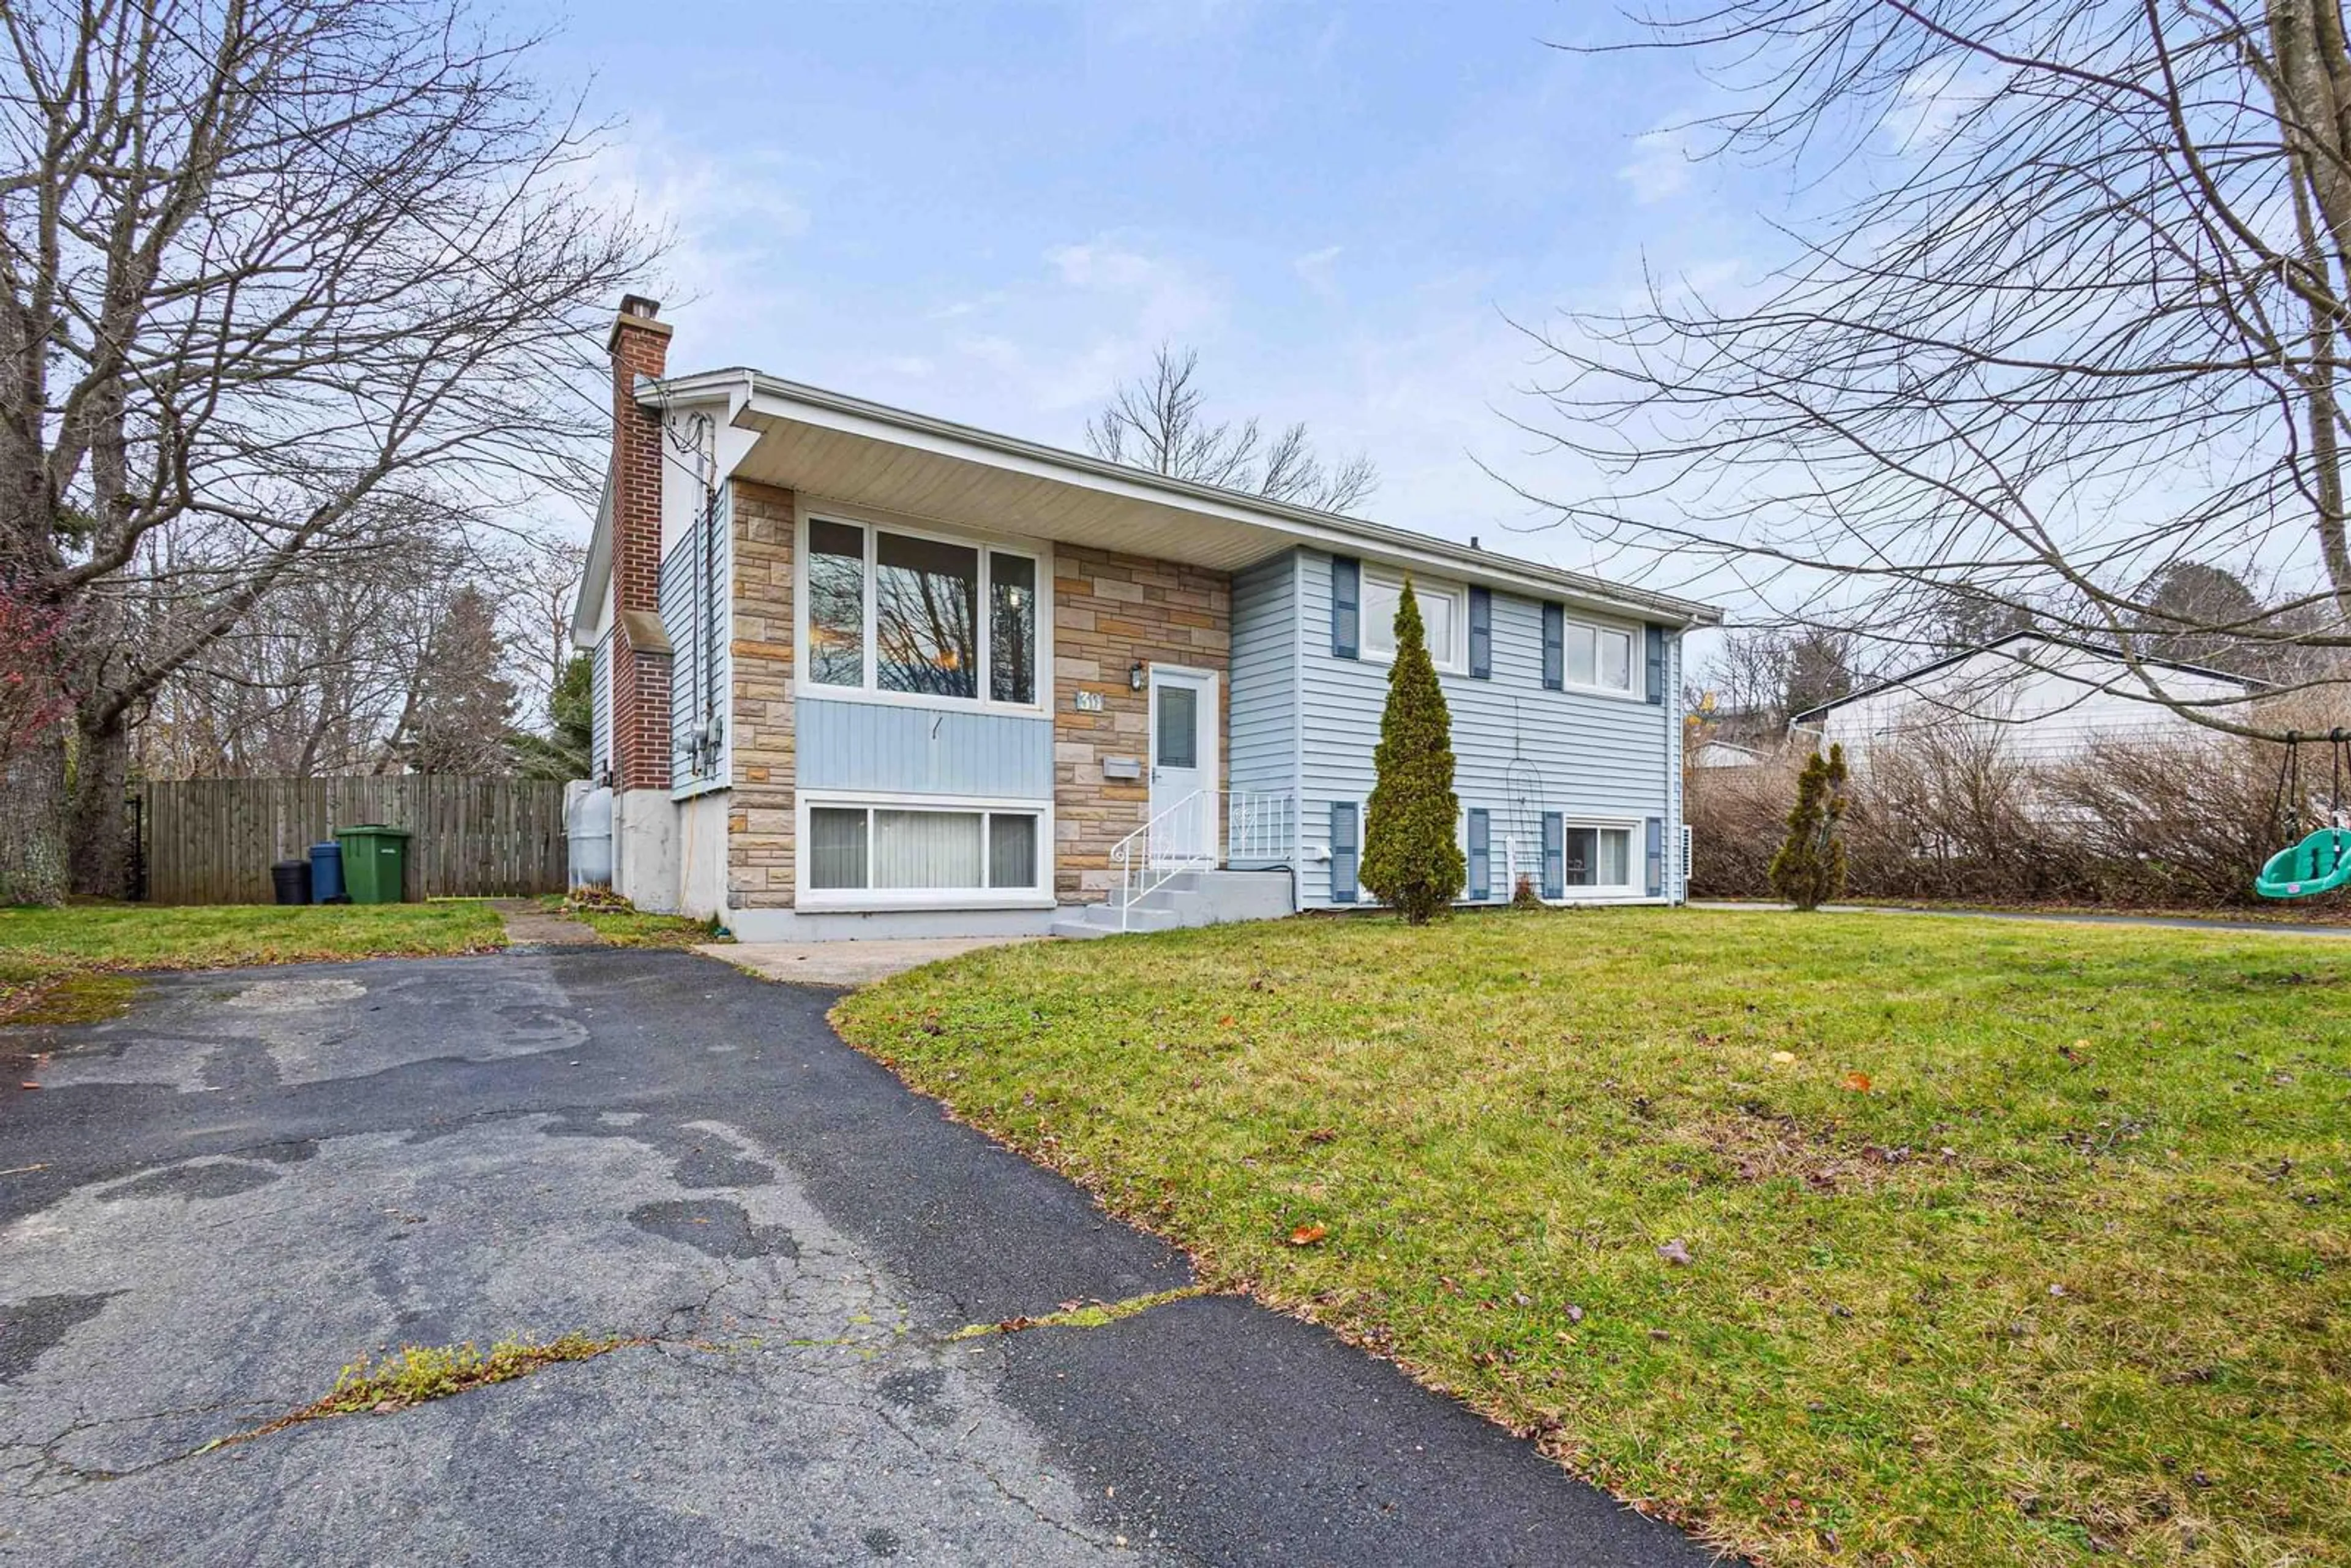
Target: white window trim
<point>868,901</point>
<point>1635,890</point>
<point>868,519</point>
<point>1637,692</point>
<point>1455,661</point>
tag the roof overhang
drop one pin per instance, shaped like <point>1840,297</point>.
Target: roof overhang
<point>845,449</point>
<point>587,604</point>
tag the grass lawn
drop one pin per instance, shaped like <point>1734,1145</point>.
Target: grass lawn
<point>58,966</point>
<point>2008,1243</point>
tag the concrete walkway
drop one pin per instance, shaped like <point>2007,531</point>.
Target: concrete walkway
<point>847,964</point>
<point>2050,916</point>
<point>530,925</point>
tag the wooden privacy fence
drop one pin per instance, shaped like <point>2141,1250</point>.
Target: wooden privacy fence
<point>212,841</point>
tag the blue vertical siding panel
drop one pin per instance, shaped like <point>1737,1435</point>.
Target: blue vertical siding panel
<point>722,637</point>
<point>1575,753</point>
<point>698,611</point>
<point>1262,746</point>
<point>848,745</point>
<point>679,609</point>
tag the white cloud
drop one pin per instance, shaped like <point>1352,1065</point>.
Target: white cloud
<point>1660,167</point>
<point>729,222</point>
<point>1315,268</point>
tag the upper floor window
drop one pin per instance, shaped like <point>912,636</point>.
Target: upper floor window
<point>890,611</point>
<point>1442,617</point>
<point>1599,656</point>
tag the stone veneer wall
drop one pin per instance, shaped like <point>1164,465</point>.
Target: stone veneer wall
<point>760,837</point>
<point>1110,609</point>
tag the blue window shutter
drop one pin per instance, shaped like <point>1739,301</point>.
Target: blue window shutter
<point>1347,606</point>
<point>1657,664</point>
<point>1554,647</point>
<point>1656,857</point>
<point>1554,864</point>
<point>1481,635</point>
<point>1480,859</point>
<point>1342,851</point>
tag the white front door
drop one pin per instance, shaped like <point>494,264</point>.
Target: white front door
<point>1184,762</point>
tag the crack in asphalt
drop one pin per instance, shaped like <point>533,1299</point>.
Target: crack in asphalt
<point>868,1340</point>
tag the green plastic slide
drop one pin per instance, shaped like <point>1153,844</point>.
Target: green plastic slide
<point>2320,864</point>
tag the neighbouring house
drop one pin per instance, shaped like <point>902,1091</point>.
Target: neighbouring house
<point>2045,699</point>
<point>865,673</point>
<point>1710,753</point>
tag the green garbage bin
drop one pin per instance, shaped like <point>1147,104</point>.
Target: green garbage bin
<point>375,862</point>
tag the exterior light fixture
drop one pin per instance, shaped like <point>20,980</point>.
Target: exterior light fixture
<point>1134,676</point>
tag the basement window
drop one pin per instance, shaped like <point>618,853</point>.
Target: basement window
<point>894,850</point>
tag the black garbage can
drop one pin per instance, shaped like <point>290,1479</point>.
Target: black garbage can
<point>292,880</point>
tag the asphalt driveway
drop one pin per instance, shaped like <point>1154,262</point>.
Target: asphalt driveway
<point>211,1205</point>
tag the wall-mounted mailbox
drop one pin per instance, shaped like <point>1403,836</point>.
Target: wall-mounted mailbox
<point>1128,769</point>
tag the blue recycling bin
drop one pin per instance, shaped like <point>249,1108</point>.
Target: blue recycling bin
<point>327,874</point>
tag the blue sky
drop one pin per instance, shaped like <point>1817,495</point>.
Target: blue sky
<point>993,212</point>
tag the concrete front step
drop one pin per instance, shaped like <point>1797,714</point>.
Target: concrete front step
<point>1187,898</point>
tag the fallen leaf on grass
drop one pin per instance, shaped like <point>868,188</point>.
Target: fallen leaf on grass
<point>1676,1252</point>
<point>1308,1235</point>
<point>1783,1059</point>
<point>1857,1082</point>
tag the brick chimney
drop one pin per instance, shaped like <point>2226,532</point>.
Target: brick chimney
<point>638,345</point>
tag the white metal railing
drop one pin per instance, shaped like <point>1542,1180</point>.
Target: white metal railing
<point>1193,835</point>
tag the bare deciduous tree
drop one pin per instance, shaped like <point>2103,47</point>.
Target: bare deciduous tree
<point>2067,305</point>
<point>265,264</point>
<point>1759,677</point>
<point>1157,423</point>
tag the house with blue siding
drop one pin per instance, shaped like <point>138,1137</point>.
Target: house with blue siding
<point>859,671</point>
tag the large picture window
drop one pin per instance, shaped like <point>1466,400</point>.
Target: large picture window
<point>1442,617</point>
<point>901,612</point>
<point>892,849</point>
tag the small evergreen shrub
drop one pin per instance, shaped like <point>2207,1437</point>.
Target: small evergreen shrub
<point>1809,870</point>
<point>1412,861</point>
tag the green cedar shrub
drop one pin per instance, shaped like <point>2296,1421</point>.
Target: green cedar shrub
<point>1411,859</point>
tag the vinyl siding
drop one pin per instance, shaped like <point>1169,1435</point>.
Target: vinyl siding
<point>1579,754</point>
<point>889,747</point>
<point>600,707</point>
<point>695,598</point>
<point>1264,740</point>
